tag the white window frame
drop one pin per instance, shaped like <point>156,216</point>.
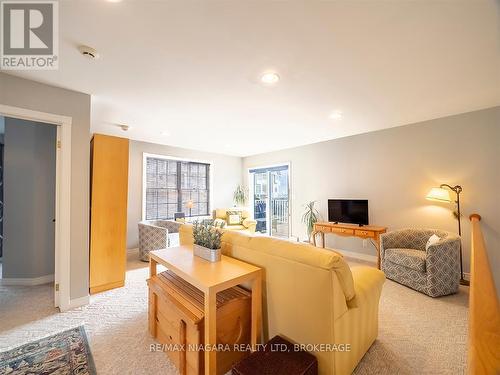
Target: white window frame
<point>146,155</point>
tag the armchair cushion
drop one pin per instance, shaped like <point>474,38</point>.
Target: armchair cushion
<point>411,258</point>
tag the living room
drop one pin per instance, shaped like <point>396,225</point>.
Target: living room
<point>324,175</point>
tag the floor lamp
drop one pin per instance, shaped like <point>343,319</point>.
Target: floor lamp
<point>442,194</point>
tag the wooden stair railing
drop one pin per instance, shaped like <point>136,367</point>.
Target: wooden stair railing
<point>484,311</point>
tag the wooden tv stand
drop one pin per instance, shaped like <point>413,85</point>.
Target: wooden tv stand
<point>370,232</point>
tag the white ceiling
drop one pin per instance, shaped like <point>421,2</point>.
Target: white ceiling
<point>192,67</point>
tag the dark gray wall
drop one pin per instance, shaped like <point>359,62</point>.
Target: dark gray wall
<point>29,198</point>
<point>23,93</point>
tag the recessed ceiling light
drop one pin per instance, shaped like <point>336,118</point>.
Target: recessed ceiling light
<point>165,133</point>
<point>114,1</point>
<point>125,127</point>
<point>336,115</point>
<point>270,78</point>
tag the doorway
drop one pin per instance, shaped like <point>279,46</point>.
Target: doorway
<point>270,199</point>
<point>28,192</point>
<point>62,200</point>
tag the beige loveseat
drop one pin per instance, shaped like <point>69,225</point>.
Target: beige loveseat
<point>247,224</point>
<point>311,296</point>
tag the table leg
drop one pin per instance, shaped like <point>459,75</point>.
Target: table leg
<point>210,332</point>
<point>313,237</point>
<point>152,267</point>
<point>377,246</point>
<point>256,313</point>
<point>323,239</point>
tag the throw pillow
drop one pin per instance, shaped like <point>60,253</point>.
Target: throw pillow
<point>432,241</point>
<point>233,218</point>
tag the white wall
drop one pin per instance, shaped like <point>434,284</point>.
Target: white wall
<point>395,168</point>
<point>225,176</point>
<point>23,93</point>
<point>29,197</point>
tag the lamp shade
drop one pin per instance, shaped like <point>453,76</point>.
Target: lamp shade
<point>439,194</point>
<point>189,204</point>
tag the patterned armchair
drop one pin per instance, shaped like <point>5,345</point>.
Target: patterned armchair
<point>154,235</point>
<point>435,271</point>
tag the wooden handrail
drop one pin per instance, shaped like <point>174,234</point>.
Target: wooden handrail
<point>484,311</point>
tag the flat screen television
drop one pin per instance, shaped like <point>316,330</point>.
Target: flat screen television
<point>351,211</point>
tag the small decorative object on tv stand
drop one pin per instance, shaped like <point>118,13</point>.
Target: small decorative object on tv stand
<point>207,240</point>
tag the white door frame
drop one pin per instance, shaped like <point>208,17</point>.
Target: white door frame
<point>251,192</point>
<point>63,196</point>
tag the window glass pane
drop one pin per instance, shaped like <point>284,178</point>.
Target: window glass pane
<point>202,183</point>
<point>162,211</point>
<point>162,196</point>
<point>172,209</point>
<point>172,196</point>
<point>163,186</point>
<point>203,196</point>
<point>203,170</point>
<point>193,182</point>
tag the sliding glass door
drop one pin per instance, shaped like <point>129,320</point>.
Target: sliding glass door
<point>270,199</point>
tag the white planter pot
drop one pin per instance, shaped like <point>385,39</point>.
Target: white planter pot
<point>206,253</point>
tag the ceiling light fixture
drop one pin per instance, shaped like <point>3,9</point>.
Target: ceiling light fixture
<point>336,115</point>
<point>270,78</point>
<point>124,127</point>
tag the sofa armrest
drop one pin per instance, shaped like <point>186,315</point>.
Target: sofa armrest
<point>368,282</point>
<point>250,224</point>
<point>152,237</point>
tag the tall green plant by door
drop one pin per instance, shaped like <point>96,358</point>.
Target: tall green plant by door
<point>240,196</point>
<point>310,217</point>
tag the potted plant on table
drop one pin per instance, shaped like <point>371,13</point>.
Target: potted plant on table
<point>310,217</point>
<point>207,240</point>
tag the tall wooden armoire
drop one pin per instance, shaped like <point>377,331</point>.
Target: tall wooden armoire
<point>108,212</point>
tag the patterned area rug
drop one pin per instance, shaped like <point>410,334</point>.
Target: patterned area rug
<point>64,353</point>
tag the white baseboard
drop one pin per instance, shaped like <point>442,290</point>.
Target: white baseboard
<point>360,256</point>
<point>77,302</point>
<point>28,281</point>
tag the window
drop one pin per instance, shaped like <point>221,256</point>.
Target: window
<point>172,184</point>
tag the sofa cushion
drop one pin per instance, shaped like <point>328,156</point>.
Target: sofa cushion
<point>411,258</point>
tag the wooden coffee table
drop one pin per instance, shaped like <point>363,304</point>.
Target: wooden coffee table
<point>211,278</point>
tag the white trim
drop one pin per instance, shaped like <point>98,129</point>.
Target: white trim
<point>355,255</point>
<point>290,190</point>
<point>146,155</point>
<point>28,281</point>
<point>77,302</point>
<point>63,196</point>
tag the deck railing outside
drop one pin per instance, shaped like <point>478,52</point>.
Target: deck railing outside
<point>279,215</point>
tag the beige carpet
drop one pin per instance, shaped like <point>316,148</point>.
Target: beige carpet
<point>418,334</point>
